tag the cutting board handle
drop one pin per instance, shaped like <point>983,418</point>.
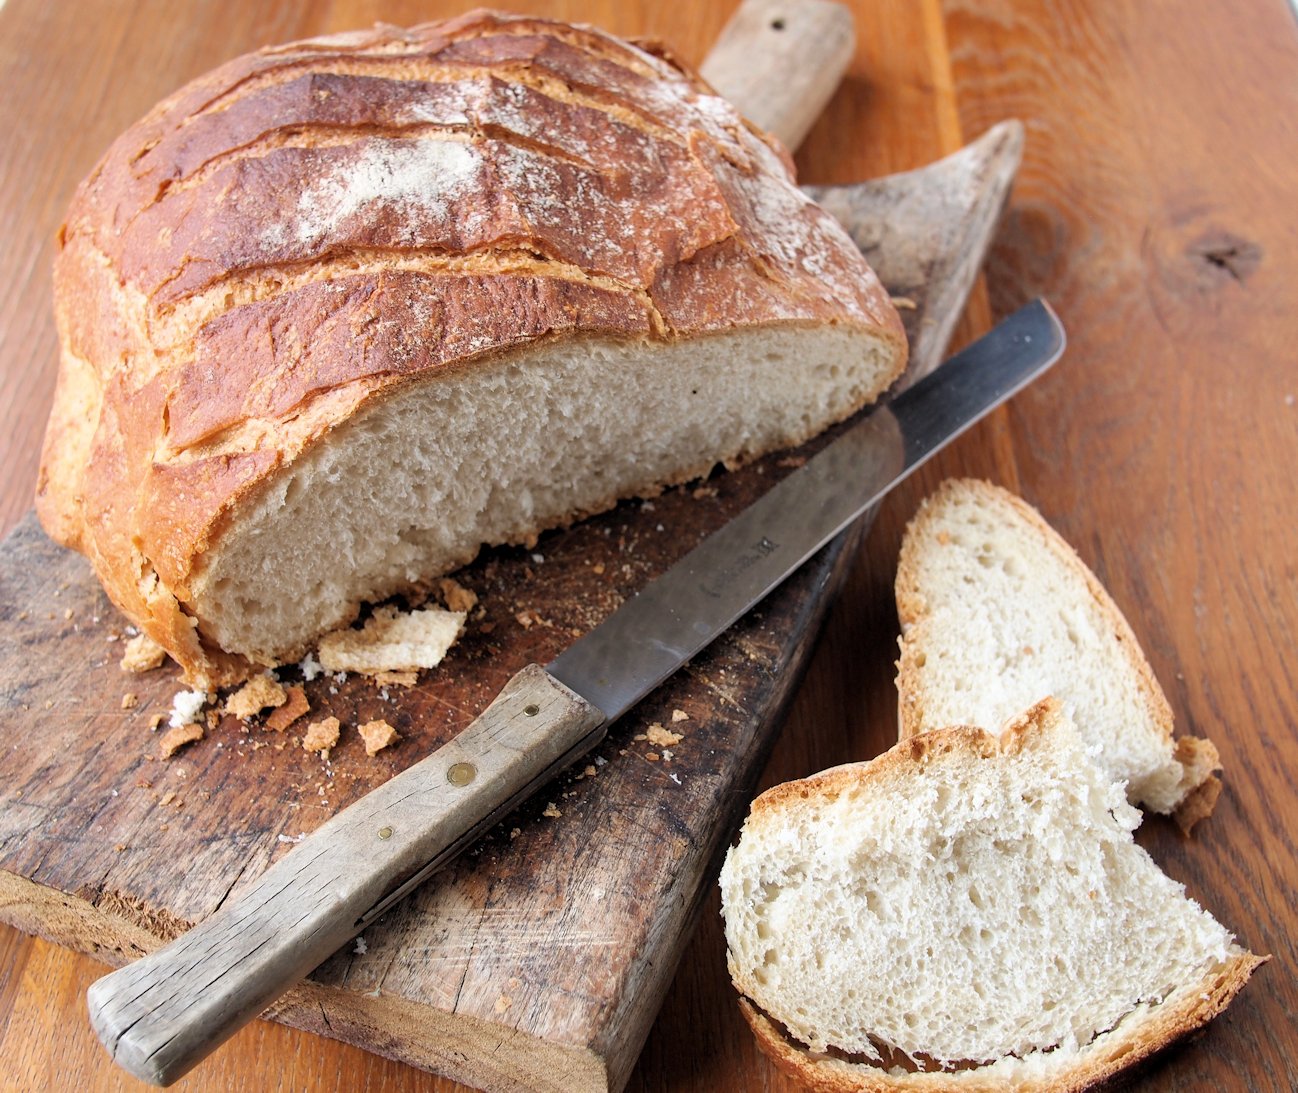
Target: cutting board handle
<point>167,1011</point>
<point>779,62</point>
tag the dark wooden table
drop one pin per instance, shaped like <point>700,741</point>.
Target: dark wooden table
<point>1156,209</point>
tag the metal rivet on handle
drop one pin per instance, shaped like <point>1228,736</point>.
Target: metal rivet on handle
<point>532,710</point>
<point>385,832</point>
<point>461,774</point>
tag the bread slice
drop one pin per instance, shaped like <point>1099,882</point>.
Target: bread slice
<point>343,311</point>
<point>965,913</point>
<point>997,611</point>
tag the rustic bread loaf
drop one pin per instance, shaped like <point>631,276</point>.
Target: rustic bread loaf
<point>997,611</point>
<point>340,312</point>
<point>965,913</point>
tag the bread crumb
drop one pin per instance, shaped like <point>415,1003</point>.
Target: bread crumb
<point>255,695</point>
<point>398,679</point>
<point>361,948</point>
<point>903,303</point>
<point>552,810</point>
<point>309,667</point>
<point>528,618</point>
<point>322,735</point>
<point>295,705</point>
<point>704,491</point>
<point>652,756</point>
<point>679,715</point>
<point>120,847</point>
<point>155,721</point>
<point>514,832</point>
<point>456,596</point>
<point>597,568</point>
<point>142,654</point>
<point>503,1003</point>
<point>393,641</point>
<point>167,798</point>
<point>185,708</point>
<point>377,736</point>
<point>130,700</point>
<point>664,738</point>
<point>177,737</point>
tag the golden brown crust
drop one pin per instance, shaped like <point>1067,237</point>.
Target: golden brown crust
<point>238,274</point>
<point>1197,756</point>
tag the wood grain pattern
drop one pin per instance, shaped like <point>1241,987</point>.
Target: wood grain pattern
<point>1153,204</point>
<point>1154,210</point>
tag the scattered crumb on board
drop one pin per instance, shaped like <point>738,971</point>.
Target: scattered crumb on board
<point>456,596</point>
<point>255,695</point>
<point>377,736</point>
<point>295,705</point>
<point>663,738</point>
<point>186,708</point>
<point>177,737</point>
<point>527,618</point>
<point>392,641</point>
<point>130,700</point>
<point>679,715</point>
<point>142,654</point>
<point>322,735</point>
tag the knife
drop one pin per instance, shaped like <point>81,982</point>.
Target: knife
<point>161,1015</point>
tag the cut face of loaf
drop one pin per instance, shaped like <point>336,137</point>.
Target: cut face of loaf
<point>967,906</point>
<point>341,312</point>
<point>997,612</point>
<point>411,486</point>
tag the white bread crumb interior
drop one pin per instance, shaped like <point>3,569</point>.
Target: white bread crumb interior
<point>496,453</point>
<point>998,612</point>
<point>964,900</point>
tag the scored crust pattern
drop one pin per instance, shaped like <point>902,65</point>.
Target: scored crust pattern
<point>311,226</point>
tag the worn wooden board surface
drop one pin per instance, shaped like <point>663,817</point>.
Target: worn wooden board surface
<point>1159,446</point>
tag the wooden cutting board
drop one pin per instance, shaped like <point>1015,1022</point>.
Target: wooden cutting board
<point>539,960</point>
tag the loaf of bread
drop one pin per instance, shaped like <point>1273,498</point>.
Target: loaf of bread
<point>341,312</point>
<point>965,913</point>
<point>997,612</point>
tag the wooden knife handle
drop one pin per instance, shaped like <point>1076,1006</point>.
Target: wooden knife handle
<point>161,1015</point>
<point>779,62</point>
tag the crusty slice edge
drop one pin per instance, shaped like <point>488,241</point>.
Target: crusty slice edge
<point>1134,1039</point>
<point>1198,756</point>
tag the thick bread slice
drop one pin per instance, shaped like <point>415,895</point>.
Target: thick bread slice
<point>342,311</point>
<point>965,913</point>
<point>997,611</point>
